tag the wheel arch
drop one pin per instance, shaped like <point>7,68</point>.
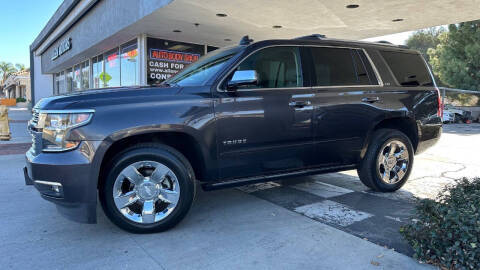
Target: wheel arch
<point>181,141</point>
<point>406,125</point>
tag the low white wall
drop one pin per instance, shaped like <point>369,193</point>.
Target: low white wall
<point>43,83</point>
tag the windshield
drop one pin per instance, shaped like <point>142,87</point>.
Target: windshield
<point>201,71</point>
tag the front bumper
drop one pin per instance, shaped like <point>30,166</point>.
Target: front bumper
<point>66,180</point>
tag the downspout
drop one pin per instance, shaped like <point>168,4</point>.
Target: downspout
<point>32,80</point>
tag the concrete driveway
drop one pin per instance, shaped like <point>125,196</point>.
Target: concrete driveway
<point>342,201</point>
<point>322,222</point>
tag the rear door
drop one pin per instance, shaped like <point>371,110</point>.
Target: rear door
<point>266,128</point>
<point>345,100</point>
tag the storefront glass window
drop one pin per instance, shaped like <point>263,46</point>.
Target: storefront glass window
<point>77,78</point>
<point>97,69</point>
<point>85,75</point>
<point>56,76</point>
<point>69,80</point>
<point>129,61</point>
<point>111,76</point>
<point>61,83</point>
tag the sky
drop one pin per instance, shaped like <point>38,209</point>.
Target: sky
<point>21,21</point>
<point>397,39</point>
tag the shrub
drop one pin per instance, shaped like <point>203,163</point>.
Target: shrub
<point>21,99</point>
<point>446,231</point>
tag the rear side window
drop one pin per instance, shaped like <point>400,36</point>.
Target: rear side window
<point>408,68</point>
<point>364,69</point>
<point>341,67</point>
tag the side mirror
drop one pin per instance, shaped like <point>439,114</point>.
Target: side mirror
<point>242,78</point>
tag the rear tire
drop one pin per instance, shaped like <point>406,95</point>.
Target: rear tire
<point>149,188</point>
<point>388,161</point>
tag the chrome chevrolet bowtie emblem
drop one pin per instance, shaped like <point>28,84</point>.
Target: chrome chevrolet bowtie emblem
<point>233,142</point>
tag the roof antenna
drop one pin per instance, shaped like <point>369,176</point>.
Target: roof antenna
<point>245,40</point>
<point>384,42</point>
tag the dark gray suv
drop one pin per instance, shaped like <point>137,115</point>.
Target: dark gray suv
<point>243,114</point>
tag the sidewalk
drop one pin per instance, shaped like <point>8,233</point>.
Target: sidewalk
<point>18,119</point>
<point>225,229</point>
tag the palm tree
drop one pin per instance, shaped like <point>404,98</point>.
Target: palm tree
<point>5,70</point>
<point>20,67</point>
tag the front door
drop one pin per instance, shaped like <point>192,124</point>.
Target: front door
<point>265,128</point>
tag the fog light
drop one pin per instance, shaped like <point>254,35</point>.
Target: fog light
<point>52,189</point>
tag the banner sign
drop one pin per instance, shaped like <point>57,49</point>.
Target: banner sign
<point>166,58</point>
<point>164,63</point>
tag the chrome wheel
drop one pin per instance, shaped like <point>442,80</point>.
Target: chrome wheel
<point>146,192</point>
<point>392,162</point>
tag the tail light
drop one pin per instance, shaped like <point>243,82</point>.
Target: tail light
<point>440,104</point>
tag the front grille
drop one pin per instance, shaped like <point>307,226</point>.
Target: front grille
<point>36,142</point>
<point>36,136</point>
<point>35,116</point>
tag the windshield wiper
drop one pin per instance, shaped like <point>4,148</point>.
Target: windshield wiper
<point>169,84</point>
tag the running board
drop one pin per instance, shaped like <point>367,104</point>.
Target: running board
<point>266,178</point>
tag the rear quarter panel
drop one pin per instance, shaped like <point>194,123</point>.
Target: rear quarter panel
<point>418,105</point>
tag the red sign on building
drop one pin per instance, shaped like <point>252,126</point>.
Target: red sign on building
<point>173,56</point>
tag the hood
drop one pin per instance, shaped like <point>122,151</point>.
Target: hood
<point>96,97</point>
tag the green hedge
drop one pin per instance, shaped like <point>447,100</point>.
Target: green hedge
<point>446,231</point>
<point>21,99</point>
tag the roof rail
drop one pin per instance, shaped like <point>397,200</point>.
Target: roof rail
<point>245,40</point>
<point>384,42</point>
<point>312,37</point>
<point>323,37</point>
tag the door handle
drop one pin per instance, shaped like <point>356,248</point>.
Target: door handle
<point>370,99</point>
<point>299,104</point>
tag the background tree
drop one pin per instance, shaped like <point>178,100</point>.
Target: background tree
<point>456,59</point>
<point>5,70</point>
<point>425,39</point>
<point>20,67</point>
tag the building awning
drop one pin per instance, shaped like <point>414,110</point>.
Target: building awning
<point>217,22</point>
<point>221,22</point>
<point>224,22</point>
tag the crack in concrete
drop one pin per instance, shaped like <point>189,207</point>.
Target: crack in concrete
<point>459,170</point>
<point>442,174</point>
<point>147,253</point>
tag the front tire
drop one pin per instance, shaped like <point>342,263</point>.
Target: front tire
<point>388,161</point>
<point>149,188</point>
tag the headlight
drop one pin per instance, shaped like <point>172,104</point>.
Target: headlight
<point>56,127</point>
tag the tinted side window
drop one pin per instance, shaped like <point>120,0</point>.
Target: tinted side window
<point>364,69</point>
<point>339,67</point>
<point>409,69</point>
<point>277,67</point>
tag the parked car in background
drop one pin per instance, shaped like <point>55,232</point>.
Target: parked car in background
<point>448,116</point>
<point>240,115</point>
<point>451,114</point>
